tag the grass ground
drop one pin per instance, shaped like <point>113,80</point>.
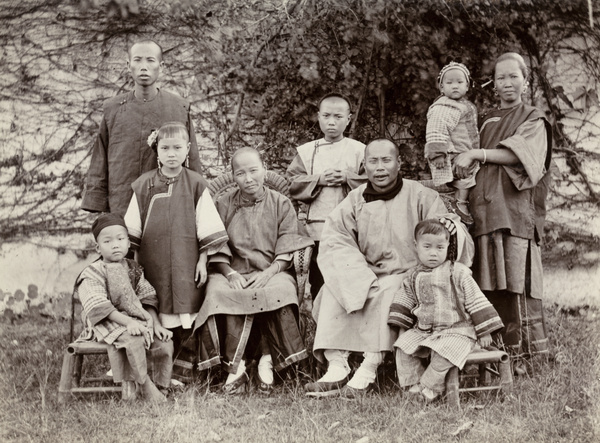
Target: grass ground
<point>557,401</point>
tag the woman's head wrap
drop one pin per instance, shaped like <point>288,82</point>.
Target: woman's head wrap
<point>105,220</point>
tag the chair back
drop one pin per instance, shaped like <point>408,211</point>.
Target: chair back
<point>224,183</point>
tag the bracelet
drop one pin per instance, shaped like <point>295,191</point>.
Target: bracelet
<point>231,273</point>
<point>484,157</point>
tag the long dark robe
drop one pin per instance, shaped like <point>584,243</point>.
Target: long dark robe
<point>121,152</point>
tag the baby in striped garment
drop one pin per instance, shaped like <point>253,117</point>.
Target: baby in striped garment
<point>452,130</point>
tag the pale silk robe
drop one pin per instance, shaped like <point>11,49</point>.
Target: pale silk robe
<point>313,159</point>
<point>366,250</point>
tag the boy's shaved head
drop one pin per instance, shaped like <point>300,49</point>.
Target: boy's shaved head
<point>336,96</point>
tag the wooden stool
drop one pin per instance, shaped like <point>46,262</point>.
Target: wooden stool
<point>486,361</point>
<point>71,380</point>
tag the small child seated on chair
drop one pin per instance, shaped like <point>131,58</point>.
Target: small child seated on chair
<point>441,313</point>
<point>119,308</point>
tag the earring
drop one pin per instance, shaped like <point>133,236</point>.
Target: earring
<point>525,87</point>
<point>187,162</point>
<point>495,91</point>
<point>158,161</point>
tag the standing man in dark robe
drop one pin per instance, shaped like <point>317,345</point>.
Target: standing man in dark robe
<point>121,152</point>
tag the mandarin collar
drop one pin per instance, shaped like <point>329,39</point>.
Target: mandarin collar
<point>243,202</point>
<point>168,180</point>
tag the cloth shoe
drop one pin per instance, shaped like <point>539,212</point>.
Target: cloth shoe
<point>415,391</point>
<point>429,395</point>
<point>265,374</point>
<point>237,383</point>
<point>466,217</point>
<point>330,384</point>
<point>351,393</point>
<point>367,371</point>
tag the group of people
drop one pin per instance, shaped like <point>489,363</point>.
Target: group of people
<point>212,283</point>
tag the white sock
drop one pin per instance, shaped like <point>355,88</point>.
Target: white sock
<point>265,369</point>
<point>233,377</point>
<point>367,372</point>
<point>336,371</point>
<point>362,378</point>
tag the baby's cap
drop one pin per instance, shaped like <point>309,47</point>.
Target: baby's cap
<point>454,65</point>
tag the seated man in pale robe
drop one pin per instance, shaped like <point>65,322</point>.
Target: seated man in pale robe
<point>367,247</point>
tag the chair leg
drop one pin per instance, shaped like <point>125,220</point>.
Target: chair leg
<point>506,379</point>
<point>452,388</point>
<point>66,378</point>
<point>484,375</point>
<point>77,370</point>
<point>128,390</point>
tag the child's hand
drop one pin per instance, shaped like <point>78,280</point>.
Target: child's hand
<point>438,162</point>
<point>260,279</point>
<point>464,163</point>
<point>201,275</point>
<point>236,281</point>
<point>148,337</point>
<point>485,340</point>
<point>134,327</point>
<point>333,177</point>
<point>149,322</point>
<point>162,333</point>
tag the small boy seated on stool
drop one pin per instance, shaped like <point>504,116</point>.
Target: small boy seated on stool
<point>120,308</point>
<point>441,313</point>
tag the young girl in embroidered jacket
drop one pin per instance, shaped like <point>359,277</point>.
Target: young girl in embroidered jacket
<point>440,311</point>
<point>173,226</point>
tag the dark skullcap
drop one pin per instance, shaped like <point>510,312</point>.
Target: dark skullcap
<point>105,220</point>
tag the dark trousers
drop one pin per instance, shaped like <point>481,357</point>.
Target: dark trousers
<point>185,355</point>
<point>227,339</point>
<point>524,332</point>
<point>315,278</point>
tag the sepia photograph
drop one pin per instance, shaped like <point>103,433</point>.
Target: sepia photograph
<point>328,221</point>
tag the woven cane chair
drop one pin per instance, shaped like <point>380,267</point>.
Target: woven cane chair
<point>224,183</point>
